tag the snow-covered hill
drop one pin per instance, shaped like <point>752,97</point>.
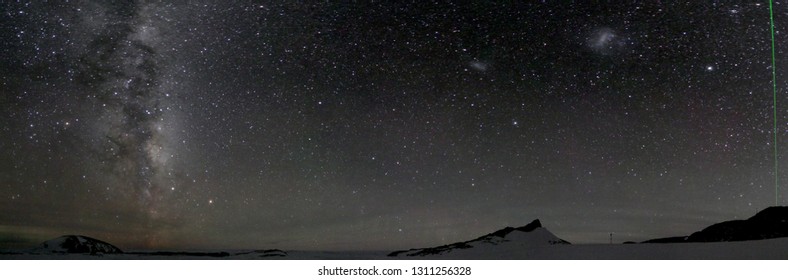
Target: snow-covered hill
<point>76,244</point>
<point>525,237</point>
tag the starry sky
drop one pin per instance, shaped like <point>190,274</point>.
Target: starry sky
<point>323,125</point>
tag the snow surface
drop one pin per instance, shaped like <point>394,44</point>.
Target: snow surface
<point>740,250</point>
<point>530,242</point>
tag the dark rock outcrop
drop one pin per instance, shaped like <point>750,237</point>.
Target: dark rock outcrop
<point>184,254</point>
<point>271,253</point>
<point>503,232</point>
<point>675,239</point>
<point>770,223</point>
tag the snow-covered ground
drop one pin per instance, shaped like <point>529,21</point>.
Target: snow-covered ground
<point>529,242</point>
<point>540,244</point>
<point>201,255</point>
<point>743,250</point>
<point>758,249</point>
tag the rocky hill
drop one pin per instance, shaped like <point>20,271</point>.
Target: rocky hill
<point>769,223</point>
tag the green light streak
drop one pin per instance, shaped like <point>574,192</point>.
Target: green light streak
<point>774,102</point>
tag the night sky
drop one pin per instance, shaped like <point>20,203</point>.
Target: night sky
<point>389,125</point>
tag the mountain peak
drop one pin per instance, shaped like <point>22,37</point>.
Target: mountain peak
<point>531,226</point>
<point>505,231</point>
<point>532,234</point>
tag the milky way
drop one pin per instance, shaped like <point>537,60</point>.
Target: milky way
<point>393,125</point>
<point>121,67</point>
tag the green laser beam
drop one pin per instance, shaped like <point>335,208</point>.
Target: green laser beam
<point>774,102</point>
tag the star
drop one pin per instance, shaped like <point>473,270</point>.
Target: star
<point>124,119</point>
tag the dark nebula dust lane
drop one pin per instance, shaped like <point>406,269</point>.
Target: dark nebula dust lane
<point>208,125</point>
